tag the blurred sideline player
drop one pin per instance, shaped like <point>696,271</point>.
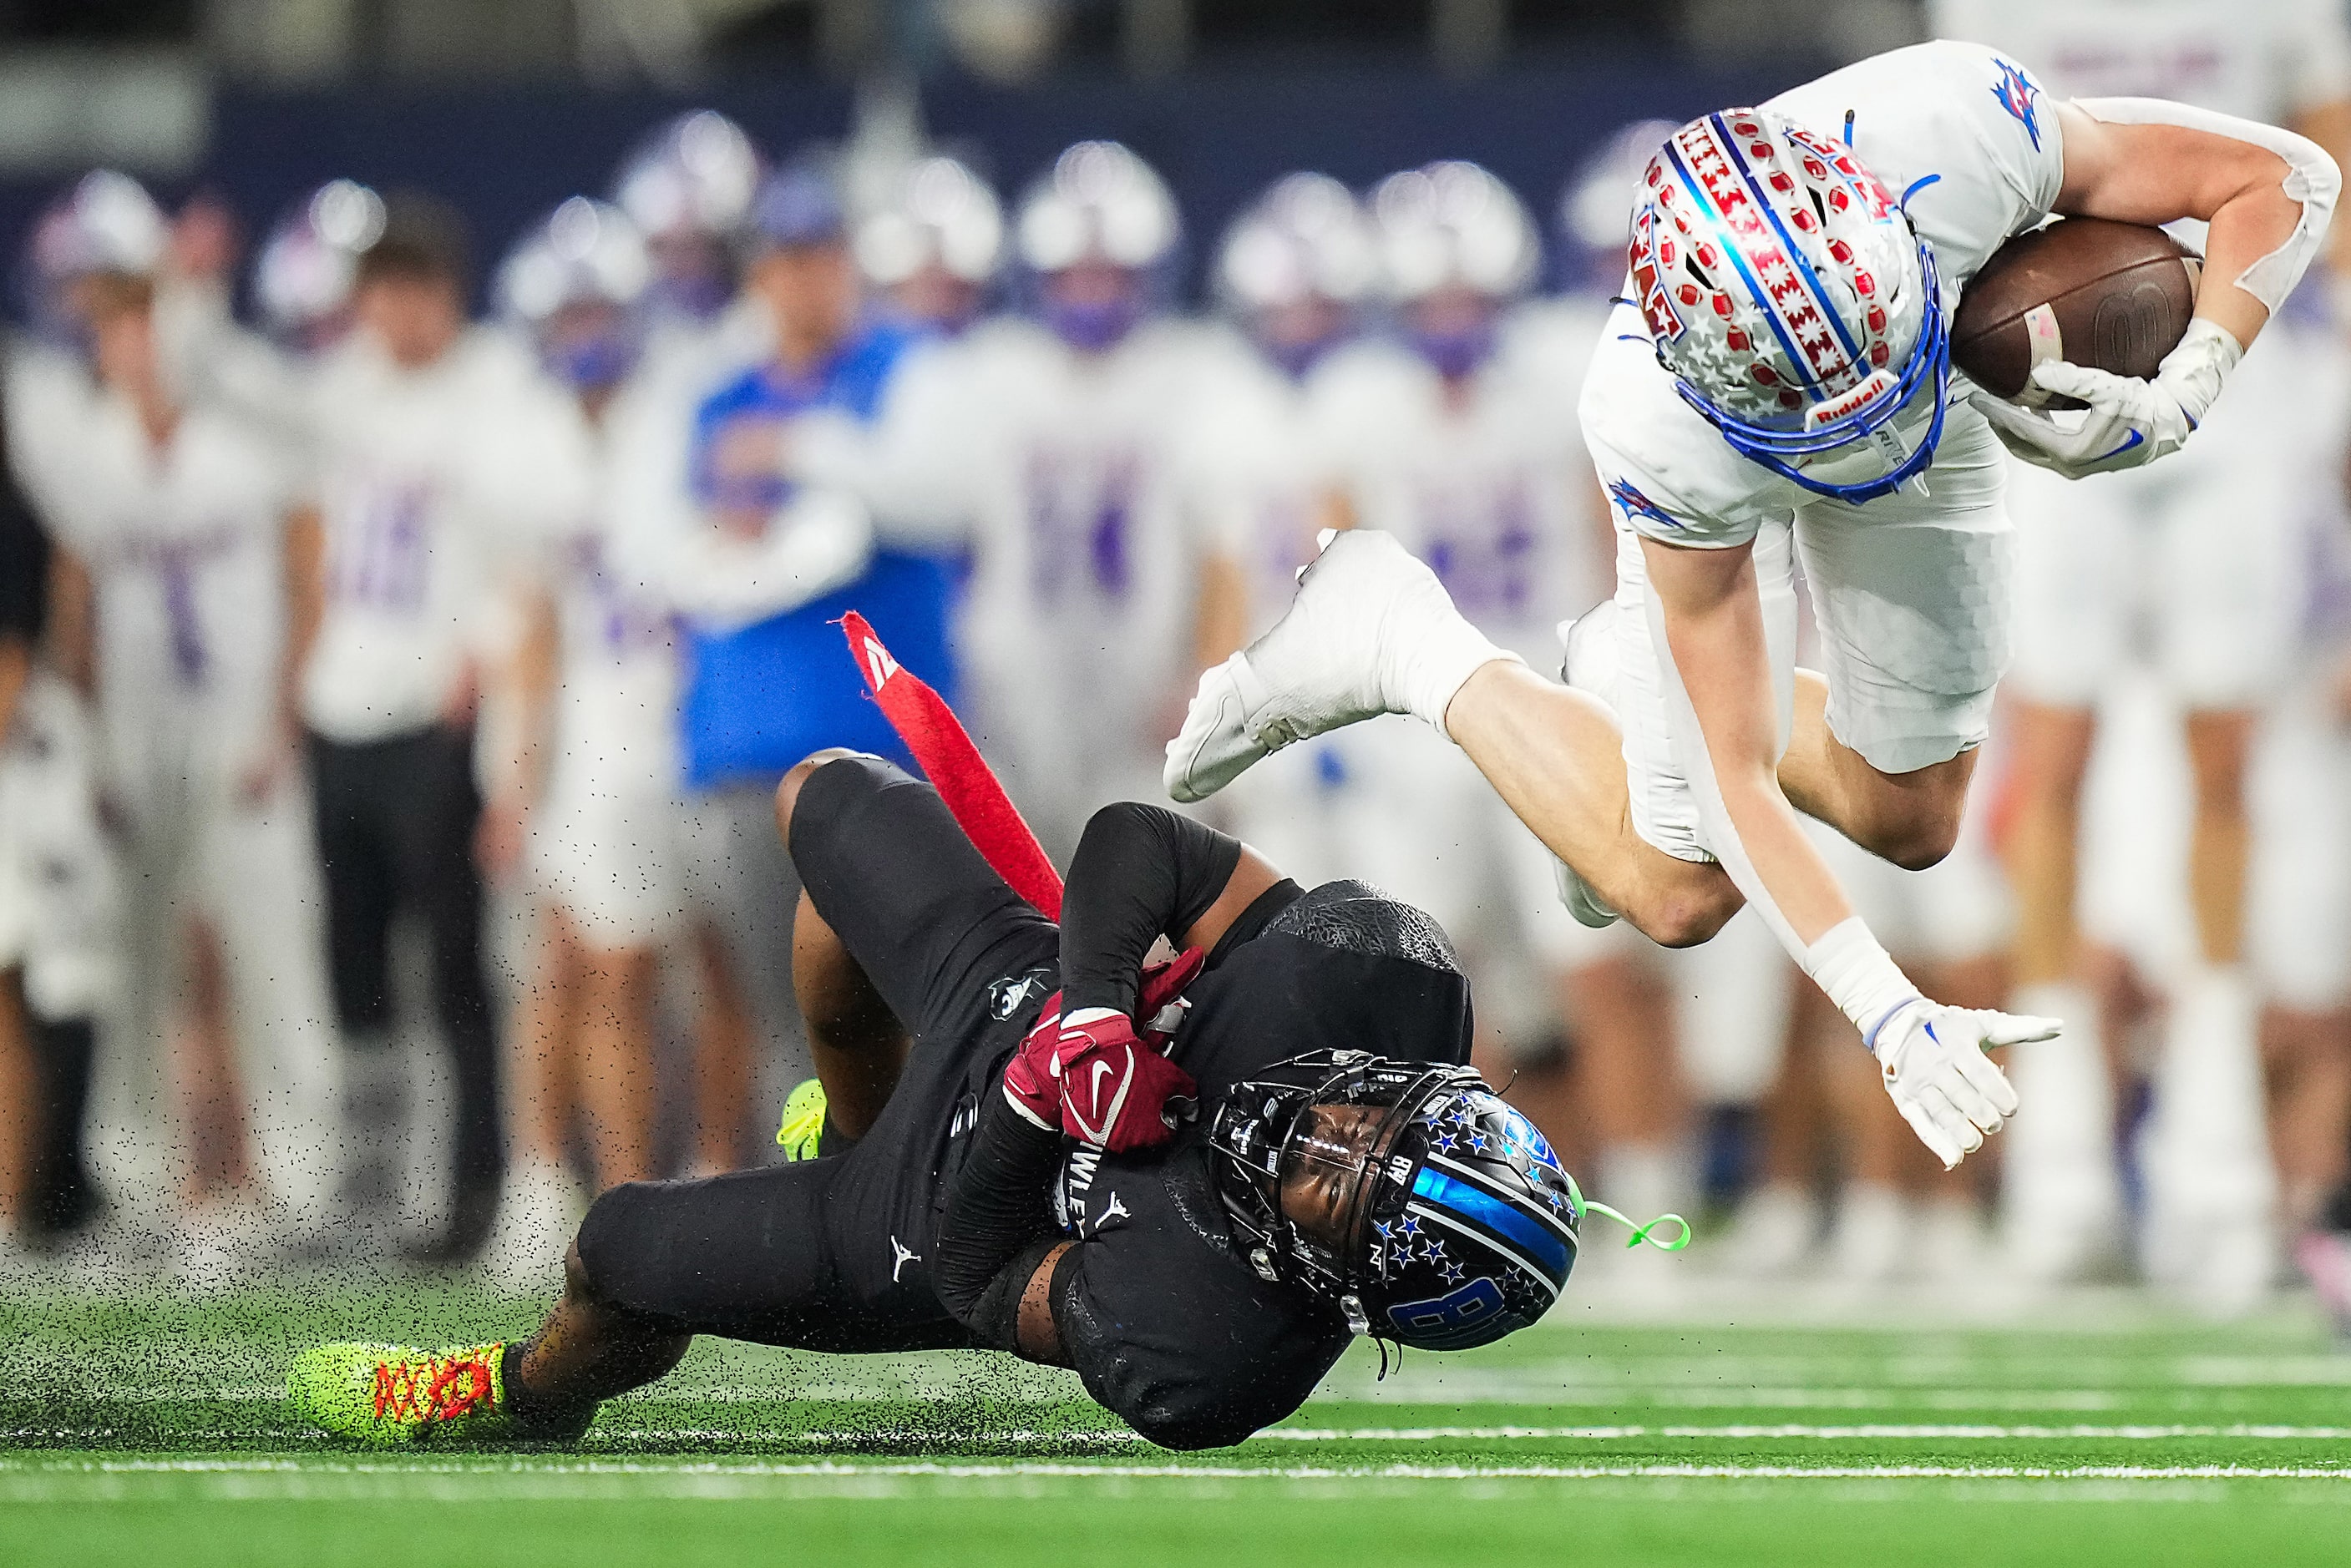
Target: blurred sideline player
<point>688,186</point>
<point>57,903</point>
<point>2199,559</point>
<point>932,250</point>
<point>1719,477</point>
<point>1048,444</point>
<point>406,409</point>
<point>588,792</point>
<point>755,562</point>
<point>1295,275</point>
<point>183,510</point>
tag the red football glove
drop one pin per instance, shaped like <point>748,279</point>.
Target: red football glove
<point>1117,1093</point>
<point>1032,1079</point>
<point>1092,1077</point>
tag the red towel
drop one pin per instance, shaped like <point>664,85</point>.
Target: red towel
<point>956,769</point>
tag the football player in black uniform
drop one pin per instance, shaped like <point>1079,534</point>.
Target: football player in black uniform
<point>1193,1182</point>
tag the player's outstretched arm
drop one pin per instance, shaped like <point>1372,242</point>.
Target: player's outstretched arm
<point>1709,627</point>
<point>2267,195</point>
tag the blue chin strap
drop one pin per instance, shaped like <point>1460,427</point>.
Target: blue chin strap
<point>1931,358</point>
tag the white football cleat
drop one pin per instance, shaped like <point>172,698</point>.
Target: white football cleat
<point>1371,631</point>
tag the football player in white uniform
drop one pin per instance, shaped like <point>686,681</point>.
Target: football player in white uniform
<point>406,411</point>
<point>182,513</point>
<point>1782,382</point>
<point>589,787</point>
<point>1048,442</point>
<point>2199,560</point>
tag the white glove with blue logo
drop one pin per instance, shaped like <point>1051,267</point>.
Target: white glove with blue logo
<point>2130,421</point>
<point>1939,1078</point>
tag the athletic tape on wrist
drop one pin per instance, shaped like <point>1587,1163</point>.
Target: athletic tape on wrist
<point>1855,971</point>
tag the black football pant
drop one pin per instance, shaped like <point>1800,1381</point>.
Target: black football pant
<point>395,823</point>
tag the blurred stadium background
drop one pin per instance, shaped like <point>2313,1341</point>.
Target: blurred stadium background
<point>1897,1330</point>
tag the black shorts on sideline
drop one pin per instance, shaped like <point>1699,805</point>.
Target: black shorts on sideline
<point>835,1254</point>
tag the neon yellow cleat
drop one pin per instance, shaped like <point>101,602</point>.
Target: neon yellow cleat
<point>803,1127</point>
<point>387,1396</point>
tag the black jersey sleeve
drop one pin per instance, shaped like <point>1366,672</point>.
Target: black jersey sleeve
<point>998,1223</point>
<point>1140,872</point>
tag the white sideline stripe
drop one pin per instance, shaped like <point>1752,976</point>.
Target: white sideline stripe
<point>1605,1433</point>
<point>13,1474</point>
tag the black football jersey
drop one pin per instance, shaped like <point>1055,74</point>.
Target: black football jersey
<point>1166,1322</point>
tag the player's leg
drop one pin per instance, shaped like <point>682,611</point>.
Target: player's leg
<point>433,840</point>
<point>744,1254</point>
<point>2228,558</point>
<point>613,1063</point>
<point>356,869</point>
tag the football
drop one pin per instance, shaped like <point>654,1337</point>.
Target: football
<point>2116,296</point>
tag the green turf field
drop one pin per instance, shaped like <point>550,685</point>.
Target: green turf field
<point>150,1431</point>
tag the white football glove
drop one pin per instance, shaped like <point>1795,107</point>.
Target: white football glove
<point>1936,1070</point>
<point>2130,421</point>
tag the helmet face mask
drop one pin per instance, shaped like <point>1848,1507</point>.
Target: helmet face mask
<point>576,286</point>
<point>1796,307</point>
<point>1406,1193</point>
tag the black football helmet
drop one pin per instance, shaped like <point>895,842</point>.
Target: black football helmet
<point>1429,1210</point>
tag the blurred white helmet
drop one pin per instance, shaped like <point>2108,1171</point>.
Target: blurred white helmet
<point>940,215</point>
<point>695,174</point>
<point>1101,205</point>
<point>1306,238</point>
<point>1596,210</point>
<point>689,187</point>
<point>106,223</point>
<point>1452,225</point>
<point>1296,265</point>
<point>585,255</point>
<point>302,278</point>
<point>1787,294</point>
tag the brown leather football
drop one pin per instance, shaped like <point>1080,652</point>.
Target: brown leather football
<point>2116,296</point>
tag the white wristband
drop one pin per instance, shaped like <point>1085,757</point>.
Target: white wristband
<point>1867,986</point>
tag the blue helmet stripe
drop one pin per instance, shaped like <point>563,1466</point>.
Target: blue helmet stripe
<point>1756,292</point>
<point>1787,241</point>
<point>1541,1245</point>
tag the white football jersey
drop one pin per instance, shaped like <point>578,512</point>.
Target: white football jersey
<point>1490,487</point>
<point>1061,471</point>
<point>2270,60</point>
<point>401,460</point>
<point>184,543</point>
<point>1968,137</point>
<point>615,722</point>
<point>1254,469</point>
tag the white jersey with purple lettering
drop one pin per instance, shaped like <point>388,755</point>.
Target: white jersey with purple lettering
<point>400,462</point>
<point>1911,591</point>
<point>184,541</point>
<point>1061,471</point>
<point>603,841</point>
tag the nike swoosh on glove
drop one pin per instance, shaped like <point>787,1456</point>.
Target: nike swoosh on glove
<point>2130,421</point>
<point>1117,1093</point>
<point>1936,1071</point>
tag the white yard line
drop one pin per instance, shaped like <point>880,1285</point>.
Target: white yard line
<point>1607,1434</point>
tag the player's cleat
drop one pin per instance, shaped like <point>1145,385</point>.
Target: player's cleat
<point>803,1127</point>
<point>387,1396</point>
<point>1371,631</point>
<point>1590,666</point>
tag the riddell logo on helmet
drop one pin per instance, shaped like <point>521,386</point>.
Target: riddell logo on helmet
<point>1846,403</point>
